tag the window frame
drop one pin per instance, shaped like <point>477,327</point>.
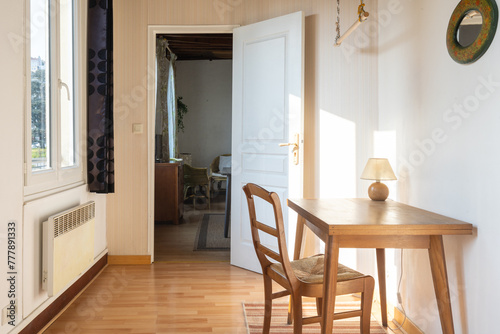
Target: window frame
<point>57,177</point>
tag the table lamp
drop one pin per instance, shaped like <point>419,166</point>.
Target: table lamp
<point>378,169</point>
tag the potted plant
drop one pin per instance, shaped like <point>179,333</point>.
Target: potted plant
<point>182,110</point>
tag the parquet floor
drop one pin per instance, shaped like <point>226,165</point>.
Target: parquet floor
<point>181,292</point>
<point>174,243</point>
<point>163,298</point>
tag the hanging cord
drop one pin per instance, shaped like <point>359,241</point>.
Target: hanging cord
<point>400,301</point>
<point>338,22</point>
<point>361,10</point>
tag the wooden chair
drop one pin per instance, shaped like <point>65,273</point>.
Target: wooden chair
<point>196,178</point>
<point>303,277</point>
<point>215,177</point>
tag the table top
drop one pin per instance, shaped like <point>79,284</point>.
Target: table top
<point>360,216</point>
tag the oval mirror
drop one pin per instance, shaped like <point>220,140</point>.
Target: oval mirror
<point>471,29</point>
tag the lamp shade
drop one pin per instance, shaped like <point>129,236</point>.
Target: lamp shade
<point>378,169</point>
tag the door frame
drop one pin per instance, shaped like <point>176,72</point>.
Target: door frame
<point>153,31</point>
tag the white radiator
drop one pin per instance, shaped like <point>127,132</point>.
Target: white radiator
<point>68,246</point>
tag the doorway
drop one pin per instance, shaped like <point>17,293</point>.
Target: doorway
<point>201,69</point>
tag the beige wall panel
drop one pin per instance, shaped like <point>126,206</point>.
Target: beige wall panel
<point>127,208</point>
<point>325,92</point>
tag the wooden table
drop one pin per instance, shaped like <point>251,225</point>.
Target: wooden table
<point>227,213</point>
<point>363,223</point>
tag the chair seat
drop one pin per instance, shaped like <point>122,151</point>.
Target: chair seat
<point>310,270</point>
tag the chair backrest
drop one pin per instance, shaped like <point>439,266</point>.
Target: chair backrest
<point>275,229</point>
<point>194,175</point>
<point>214,166</point>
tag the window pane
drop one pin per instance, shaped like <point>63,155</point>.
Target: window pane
<point>40,97</point>
<point>66,62</point>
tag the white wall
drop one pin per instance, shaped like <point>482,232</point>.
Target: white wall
<point>206,90</point>
<point>11,143</point>
<point>26,215</point>
<point>447,162</point>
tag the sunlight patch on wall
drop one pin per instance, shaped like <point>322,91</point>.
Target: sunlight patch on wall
<point>337,156</point>
<point>337,166</point>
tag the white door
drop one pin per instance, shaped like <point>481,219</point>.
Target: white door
<point>268,72</point>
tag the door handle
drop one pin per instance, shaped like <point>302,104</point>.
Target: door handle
<point>295,149</point>
<point>289,144</point>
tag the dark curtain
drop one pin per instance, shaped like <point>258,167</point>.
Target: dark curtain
<point>100,144</point>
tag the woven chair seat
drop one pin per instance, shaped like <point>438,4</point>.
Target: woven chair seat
<point>311,269</point>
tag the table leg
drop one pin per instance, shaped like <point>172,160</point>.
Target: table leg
<point>381,284</point>
<point>440,279</point>
<point>227,218</point>
<point>299,236</point>
<point>330,283</point>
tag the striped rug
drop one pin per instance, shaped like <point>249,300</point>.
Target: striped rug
<point>254,316</point>
<point>210,235</point>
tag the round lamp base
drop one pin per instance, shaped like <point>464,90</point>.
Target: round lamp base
<point>378,191</point>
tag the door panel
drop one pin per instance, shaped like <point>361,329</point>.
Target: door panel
<point>268,71</point>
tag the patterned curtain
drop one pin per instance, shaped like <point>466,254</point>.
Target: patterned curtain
<point>166,102</point>
<point>100,146</point>
<point>172,111</point>
<point>162,65</point>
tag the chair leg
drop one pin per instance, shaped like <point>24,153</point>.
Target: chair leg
<point>366,304</point>
<point>208,197</point>
<point>211,191</point>
<point>319,306</point>
<point>297,314</point>
<point>290,311</point>
<point>268,304</point>
<point>319,309</point>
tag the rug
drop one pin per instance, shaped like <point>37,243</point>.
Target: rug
<point>254,317</point>
<point>210,234</point>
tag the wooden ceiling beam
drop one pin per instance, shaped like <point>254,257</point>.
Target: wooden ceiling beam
<point>200,46</point>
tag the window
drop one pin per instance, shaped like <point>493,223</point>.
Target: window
<point>53,110</point>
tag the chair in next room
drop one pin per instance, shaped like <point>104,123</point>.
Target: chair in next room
<point>196,184</point>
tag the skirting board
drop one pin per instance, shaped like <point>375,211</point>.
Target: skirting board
<point>65,298</point>
<point>129,259</point>
<point>408,326</point>
<point>397,316</point>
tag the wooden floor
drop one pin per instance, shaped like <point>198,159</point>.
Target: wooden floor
<point>182,292</point>
<point>175,243</point>
<point>163,298</point>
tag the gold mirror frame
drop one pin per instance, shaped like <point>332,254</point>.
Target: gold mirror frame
<point>474,51</point>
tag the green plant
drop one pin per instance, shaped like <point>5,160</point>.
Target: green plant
<point>38,153</point>
<point>182,109</point>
